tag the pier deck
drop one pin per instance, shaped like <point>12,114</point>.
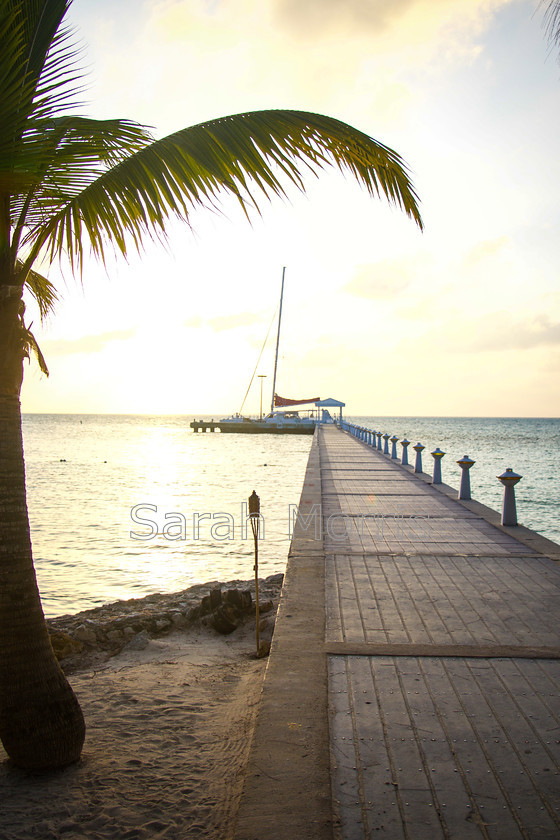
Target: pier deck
<point>412,687</point>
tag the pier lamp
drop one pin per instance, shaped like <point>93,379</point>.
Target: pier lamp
<point>509,479</point>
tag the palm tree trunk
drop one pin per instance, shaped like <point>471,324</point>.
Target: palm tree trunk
<point>41,723</point>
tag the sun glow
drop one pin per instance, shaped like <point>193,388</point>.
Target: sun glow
<point>369,300</point>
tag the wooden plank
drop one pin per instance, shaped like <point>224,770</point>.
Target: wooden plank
<point>489,805</point>
<point>450,635</point>
<point>441,651</point>
<point>347,792</point>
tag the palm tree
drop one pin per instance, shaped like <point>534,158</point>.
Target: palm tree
<point>66,181</point>
<point>552,22</point>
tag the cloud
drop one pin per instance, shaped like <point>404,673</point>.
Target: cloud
<point>315,16</point>
<point>225,322</point>
<point>485,250</point>
<point>398,24</point>
<point>507,334</point>
<point>232,322</point>
<point>359,59</point>
<point>86,344</point>
<point>384,280</point>
<point>195,322</point>
<point>496,332</point>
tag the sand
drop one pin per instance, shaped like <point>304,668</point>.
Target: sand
<point>168,735</point>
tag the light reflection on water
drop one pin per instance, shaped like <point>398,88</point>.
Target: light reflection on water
<point>86,473</point>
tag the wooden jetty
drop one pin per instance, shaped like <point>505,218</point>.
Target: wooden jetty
<point>412,686</point>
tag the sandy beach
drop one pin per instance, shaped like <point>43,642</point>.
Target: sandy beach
<point>168,733</point>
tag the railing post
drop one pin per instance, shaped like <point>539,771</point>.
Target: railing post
<point>418,465</point>
<point>509,479</point>
<point>465,489</point>
<point>386,444</point>
<point>437,455</point>
<point>394,441</point>
<point>404,459</point>
<point>379,447</point>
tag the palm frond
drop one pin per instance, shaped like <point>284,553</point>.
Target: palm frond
<point>41,289</point>
<point>66,155</point>
<point>38,82</point>
<point>30,345</point>
<point>197,166</point>
<point>552,22</point>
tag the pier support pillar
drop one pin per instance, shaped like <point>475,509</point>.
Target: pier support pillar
<point>394,441</point>
<point>386,444</point>
<point>379,446</point>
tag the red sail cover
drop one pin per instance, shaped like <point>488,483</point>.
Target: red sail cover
<point>280,402</point>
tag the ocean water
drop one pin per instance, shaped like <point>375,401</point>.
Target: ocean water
<point>88,476</point>
<point>99,487</point>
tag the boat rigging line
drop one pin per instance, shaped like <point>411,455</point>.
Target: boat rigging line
<point>258,360</point>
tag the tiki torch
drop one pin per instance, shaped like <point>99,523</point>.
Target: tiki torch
<point>254,514</point>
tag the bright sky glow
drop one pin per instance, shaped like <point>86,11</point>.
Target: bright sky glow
<point>463,319</point>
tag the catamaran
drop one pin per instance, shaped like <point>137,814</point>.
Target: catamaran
<point>287,422</point>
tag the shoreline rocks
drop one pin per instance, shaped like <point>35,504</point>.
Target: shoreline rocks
<point>101,632</point>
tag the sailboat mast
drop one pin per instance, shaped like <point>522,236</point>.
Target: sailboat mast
<point>277,340</point>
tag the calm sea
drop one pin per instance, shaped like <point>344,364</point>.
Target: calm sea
<point>100,486</point>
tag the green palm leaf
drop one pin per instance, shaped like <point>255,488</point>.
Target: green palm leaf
<point>552,22</point>
<point>199,165</point>
<point>42,289</point>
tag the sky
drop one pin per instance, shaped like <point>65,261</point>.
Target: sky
<point>462,319</point>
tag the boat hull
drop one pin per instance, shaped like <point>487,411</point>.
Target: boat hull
<point>265,429</point>
<point>253,427</point>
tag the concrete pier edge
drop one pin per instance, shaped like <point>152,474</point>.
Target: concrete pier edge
<point>287,790</point>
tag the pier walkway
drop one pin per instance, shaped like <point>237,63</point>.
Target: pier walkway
<point>412,686</point>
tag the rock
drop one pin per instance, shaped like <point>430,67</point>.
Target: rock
<point>109,627</point>
<point>210,602</point>
<point>139,642</point>
<point>241,599</point>
<point>162,624</point>
<point>179,620</point>
<point>194,614</point>
<point>64,645</point>
<point>85,634</point>
<point>233,597</point>
<point>225,619</point>
<point>266,627</point>
<point>264,649</point>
